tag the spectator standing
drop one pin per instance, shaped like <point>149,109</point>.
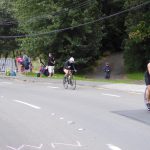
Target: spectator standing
<point>51,64</point>
<point>107,70</point>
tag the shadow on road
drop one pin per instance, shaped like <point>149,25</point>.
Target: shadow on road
<point>138,115</point>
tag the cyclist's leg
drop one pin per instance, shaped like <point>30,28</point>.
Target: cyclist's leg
<point>66,72</point>
<point>148,93</point>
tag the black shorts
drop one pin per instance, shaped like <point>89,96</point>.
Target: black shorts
<point>147,78</point>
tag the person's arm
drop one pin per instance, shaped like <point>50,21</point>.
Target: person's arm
<point>73,66</point>
<point>148,68</point>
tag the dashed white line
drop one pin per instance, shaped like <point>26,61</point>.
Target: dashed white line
<point>110,95</point>
<point>81,129</point>
<point>6,82</point>
<point>30,105</point>
<point>113,147</point>
<point>52,87</point>
<point>61,118</point>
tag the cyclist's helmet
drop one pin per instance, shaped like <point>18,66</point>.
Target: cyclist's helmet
<point>71,60</point>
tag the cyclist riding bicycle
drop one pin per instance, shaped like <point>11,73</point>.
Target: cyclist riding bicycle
<point>147,82</point>
<point>69,66</point>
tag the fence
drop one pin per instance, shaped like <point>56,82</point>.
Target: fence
<point>8,63</point>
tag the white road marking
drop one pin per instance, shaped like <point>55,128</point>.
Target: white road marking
<point>113,147</point>
<point>61,118</point>
<point>136,93</point>
<point>78,144</point>
<point>52,87</point>
<point>70,122</point>
<point>6,82</point>
<point>22,146</point>
<point>81,129</point>
<point>30,105</point>
<point>19,148</point>
<point>52,114</point>
<point>110,95</point>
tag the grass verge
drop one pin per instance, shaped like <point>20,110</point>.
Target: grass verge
<point>130,78</point>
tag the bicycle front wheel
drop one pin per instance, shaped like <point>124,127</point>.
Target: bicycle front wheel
<point>65,82</point>
<point>73,83</point>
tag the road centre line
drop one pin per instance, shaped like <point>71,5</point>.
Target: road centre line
<point>30,105</point>
<point>53,87</point>
<point>110,95</point>
<point>113,147</point>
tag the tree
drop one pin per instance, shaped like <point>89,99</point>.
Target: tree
<point>114,28</point>
<point>136,45</point>
<point>54,16</point>
<point>7,28</point>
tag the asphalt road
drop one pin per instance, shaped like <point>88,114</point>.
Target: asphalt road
<point>45,116</point>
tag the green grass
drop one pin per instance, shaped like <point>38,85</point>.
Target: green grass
<point>136,76</point>
<point>130,78</point>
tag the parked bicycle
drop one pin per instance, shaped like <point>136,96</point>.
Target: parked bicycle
<point>69,80</point>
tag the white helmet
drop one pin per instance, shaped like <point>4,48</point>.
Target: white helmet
<point>71,59</point>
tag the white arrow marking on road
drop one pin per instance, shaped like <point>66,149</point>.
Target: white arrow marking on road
<point>33,106</point>
<point>35,146</point>
<point>110,95</point>
<point>16,148</point>
<point>22,146</point>
<point>73,145</point>
<point>112,147</point>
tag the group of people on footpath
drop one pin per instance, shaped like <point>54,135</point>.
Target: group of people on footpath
<point>25,65</point>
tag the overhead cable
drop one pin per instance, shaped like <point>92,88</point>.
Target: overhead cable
<point>77,26</point>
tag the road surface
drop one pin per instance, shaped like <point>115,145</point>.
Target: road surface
<point>45,116</point>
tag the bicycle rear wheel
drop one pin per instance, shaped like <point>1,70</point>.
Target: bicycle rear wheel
<point>73,83</point>
<point>147,103</point>
<point>65,82</point>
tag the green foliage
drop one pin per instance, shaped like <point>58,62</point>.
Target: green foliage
<point>137,47</point>
<point>47,16</point>
<point>6,29</point>
<point>114,28</point>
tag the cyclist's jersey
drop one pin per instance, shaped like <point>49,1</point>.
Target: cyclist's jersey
<point>147,78</point>
<point>69,66</point>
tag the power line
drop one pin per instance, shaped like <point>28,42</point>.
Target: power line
<point>77,26</point>
<point>79,5</point>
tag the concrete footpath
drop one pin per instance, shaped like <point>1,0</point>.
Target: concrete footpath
<point>117,86</point>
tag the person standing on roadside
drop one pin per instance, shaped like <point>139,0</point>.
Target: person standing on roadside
<point>107,70</point>
<point>51,64</point>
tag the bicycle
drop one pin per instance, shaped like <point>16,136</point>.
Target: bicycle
<point>147,103</point>
<point>69,80</point>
